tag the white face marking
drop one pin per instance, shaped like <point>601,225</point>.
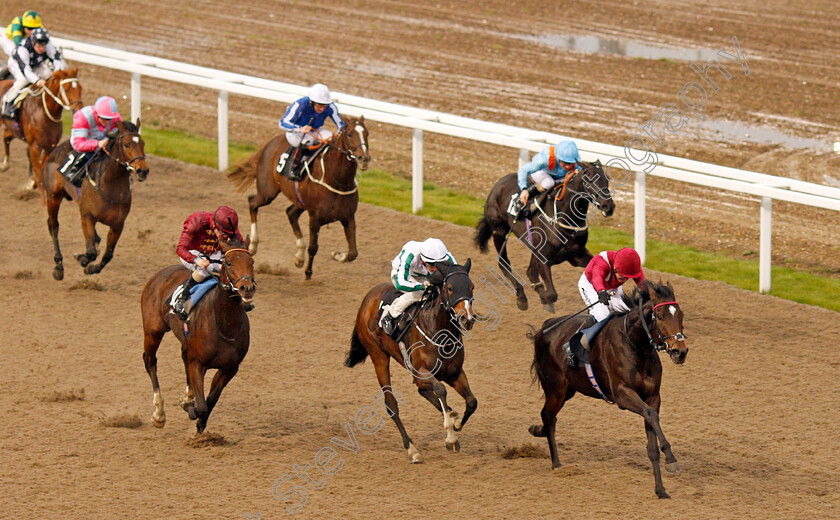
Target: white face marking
<point>73,84</point>
<point>362,137</point>
<point>135,139</point>
<point>673,310</point>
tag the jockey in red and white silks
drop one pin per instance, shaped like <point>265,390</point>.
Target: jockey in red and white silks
<point>603,278</point>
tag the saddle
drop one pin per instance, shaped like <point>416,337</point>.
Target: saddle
<point>75,168</point>
<point>407,317</point>
<point>515,208</point>
<point>581,341</point>
<point>293,167</point>
<point>196,293</point>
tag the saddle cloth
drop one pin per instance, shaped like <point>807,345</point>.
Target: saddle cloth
<point>196,293</point>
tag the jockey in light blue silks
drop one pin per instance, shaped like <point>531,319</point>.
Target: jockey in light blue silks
<point>547,168</point>
<point>409,273</point>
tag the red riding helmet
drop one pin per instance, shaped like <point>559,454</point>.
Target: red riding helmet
<point>627,263</point>
<point>226,220</point>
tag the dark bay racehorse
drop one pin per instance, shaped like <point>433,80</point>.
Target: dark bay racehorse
<point>556,233</point>
<point>105,196</point>
<point>432,349</point>
<point>215,335</point>
<point>328,193</point>
<point>40,117</point>
<point>625,363</point>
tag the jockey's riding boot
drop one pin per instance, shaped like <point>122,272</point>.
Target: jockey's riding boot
<point>297,157</point>
<point>8,111</point>
<point>179,298</point>
<point>567,348</point>
<point>388,323</point>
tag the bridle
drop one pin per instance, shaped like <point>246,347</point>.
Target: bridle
<point>555,219</point>
<point>231,285</point>
<point>351,152</point>
<point>125,164</point>
<point>65,105</point>
<point>661,344</point>
<point>449,306</point>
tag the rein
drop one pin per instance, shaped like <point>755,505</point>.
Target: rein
<point>554,220</point>
<point>66,105</point>
<point>125,164</point>
<point>448,308</point>
<point>662,344</point>
<point>347,153</point>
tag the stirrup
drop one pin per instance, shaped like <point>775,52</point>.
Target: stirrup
<point>388,324</point>
<point>570,358</point>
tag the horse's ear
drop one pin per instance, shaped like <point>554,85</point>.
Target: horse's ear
<point>362,118</point>
<point>468,264</point>
<point>247,241</point>
<point>137,124</point>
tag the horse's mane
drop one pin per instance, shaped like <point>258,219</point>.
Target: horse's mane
<point>644,292</point>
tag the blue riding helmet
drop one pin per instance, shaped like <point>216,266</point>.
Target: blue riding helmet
<point>567,152</point>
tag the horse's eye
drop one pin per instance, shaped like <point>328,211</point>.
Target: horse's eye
<point>227,263</point>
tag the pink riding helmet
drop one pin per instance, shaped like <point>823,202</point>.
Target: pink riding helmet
<point>106,107</point>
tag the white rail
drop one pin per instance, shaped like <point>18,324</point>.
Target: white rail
<point>764,187</point>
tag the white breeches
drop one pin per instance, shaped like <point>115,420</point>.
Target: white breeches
<point>402,303</point>
<point>543,179</point>
<point>295,138</point>
<point>600,311</point>
<point>43,71</point>
<point>7,44</point>
<point>212,268</point>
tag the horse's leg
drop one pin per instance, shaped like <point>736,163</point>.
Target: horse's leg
<point>7,138</point>
<point>628,399</point>
<point>314,229</point>
<point>35,163</point>
<point>197,382</point>
<point>555,398</point>
<point>582,257</point>
<point>220,380</point>
<point>549,295</point>
<point>462,386</point>
<point>255,202</point>
<point>381,363</point>
<point>151,342</point>
<point>294,213</point>
<point>89,230</point>
<point>505,267</point>
<point>434,392</point>
<point>188,399</point>
<point>53,204</point>
<point>536,269</point>
<point>350,235</point>
<point>113,236</point>
<point>653,451</point>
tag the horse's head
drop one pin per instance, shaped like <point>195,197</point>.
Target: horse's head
<point>456,292</point>
<point>237,273</point>
<point>354,142</point>
<point>66,89</point>
<point>597,186</point>
<point>128,148</point>
<point>665,317</point>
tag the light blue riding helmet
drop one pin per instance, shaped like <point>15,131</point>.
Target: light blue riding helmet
<point>567,152</point>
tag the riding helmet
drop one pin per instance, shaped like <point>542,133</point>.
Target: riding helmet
<point>627,263</point>
<point>319,93</point>
<point>31,20</point>
<point>432,250</point>
<point>226,220</point>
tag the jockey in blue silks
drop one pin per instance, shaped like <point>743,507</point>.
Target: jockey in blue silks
<point>306,117</point>
<point>547,168</point>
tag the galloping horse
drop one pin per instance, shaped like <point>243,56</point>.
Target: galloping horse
<point>215,335</point>
<point>105,196</point>
<point>40,117</point>
<point>328,193</point>
<point>558,233</point>
<point>625,366</point>
<point>435,353</point>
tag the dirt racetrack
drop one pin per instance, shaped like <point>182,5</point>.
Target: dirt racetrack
<point>752,416</point>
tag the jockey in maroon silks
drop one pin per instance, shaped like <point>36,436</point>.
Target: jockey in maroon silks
<point>199,246</point>
<point>601,288</point>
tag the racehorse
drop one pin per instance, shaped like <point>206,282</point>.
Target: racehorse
<point>625,366</point>
<point>435,355</point>
<point>40,117</point>
<point>215,335</point>
<point>557,234</point>
<point>105,196</point>
<point>328,193</point>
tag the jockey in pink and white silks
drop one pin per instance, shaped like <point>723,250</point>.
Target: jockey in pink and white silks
<point>409,273</point>
<point>550,166</point>
<point>93,123</point>
<point>33,61</point>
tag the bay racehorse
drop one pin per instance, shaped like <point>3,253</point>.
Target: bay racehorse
<point>558,233</point>
<point>40,117</point>
<point>435,353</point>
<point>625,366</point>
<point>328,192</point>
<point>104,196</point>
<point>216,334</point>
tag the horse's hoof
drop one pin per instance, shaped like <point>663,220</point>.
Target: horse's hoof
<point>252,248</point>
<point>549,308</point>
<point>308,276</point>
<point>454,447</point>
<point>158,424</point>
<point>4,167</point>
<point>92,269</point>
<point>339,256</point>
<point>522,304</point>
<point>298,262</point>
<point>673,468</point>
<point>31,185</point>
<point>556,465</point>
<point>200,426</point>
<point>82,259</point>
<point>663,494</point>
<point>536,430</point>
<point>58,274</point>
<point>414,454</point>
<point>538,286</point>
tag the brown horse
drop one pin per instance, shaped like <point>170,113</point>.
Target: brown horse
<point>40,117</point>
<point>105,196</point>
<point>558,232</point>
<point>625,366</point>
<point>328,193</point>
<point>216,334</point>
<point>435,354</point>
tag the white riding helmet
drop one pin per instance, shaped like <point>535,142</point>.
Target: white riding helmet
<point>432,250</point>
<point>319,93</point>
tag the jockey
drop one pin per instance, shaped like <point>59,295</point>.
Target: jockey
<point>548,167</point>
<point>410,271</point>
<point>306,116</point>
<point>198,245</point>
<point>19,29</point>
<point>601,287</point>
<point>91,127</point>
<point>28,64</point>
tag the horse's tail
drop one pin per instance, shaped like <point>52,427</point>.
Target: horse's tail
<point>244,174</point>
<point>483,232</point>
<point>357,352</point>
<point>540,354</point>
